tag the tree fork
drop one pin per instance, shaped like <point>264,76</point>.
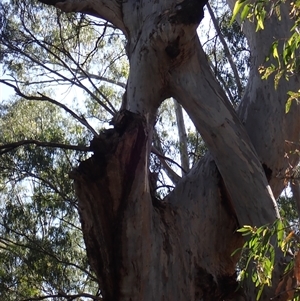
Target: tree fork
<point>165,250</point>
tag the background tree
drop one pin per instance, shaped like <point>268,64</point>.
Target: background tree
<point>140,246</point>
<point>42,250</point>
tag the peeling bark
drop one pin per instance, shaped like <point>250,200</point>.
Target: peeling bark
<point>116,173</point>
<point>227,140</point>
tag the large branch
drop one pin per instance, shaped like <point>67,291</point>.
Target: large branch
<point>113,192</point>
<point>274,134</point>
<point>227,140</point>
<point>109,10</point>
<point>240,164</point>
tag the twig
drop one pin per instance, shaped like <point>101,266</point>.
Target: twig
<point>5,148</point>
<point>43,97</point>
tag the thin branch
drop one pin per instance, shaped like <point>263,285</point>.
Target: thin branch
<point>81,119</point>
<point>226,50</point>
<point>74,81</point>
<point>46,182</point>
<point>43,97</point>
<point>91,53</point>
<point>5,148</point>
<point>170,172</point>
<point>54,81</point>
<point>112,61</point>
<point>155,151</point>
<point>112,111</point>
<point>223,83</point>
<point>41,249</point>
<point>103,78</point>
<point>68,54</point>
<point>64,295</point>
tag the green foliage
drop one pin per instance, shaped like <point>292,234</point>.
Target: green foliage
<point>259,251</point>
<point>287,59</point>
<point>41,245</point>
<point>66,52</point>
<point>256,11</point>
<point>223,58</point>
<point>257,260</point>
<point>284,60</point>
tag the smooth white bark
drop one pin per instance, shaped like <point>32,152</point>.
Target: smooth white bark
<point>203,99</point>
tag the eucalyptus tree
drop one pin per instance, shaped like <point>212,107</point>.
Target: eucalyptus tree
<point>41,246</point>
<point>180,247</point>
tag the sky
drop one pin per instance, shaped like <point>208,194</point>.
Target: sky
<point>5,91</point>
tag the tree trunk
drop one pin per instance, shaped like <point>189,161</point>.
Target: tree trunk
<point>180,248</point>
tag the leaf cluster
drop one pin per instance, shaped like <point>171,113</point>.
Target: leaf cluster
<point>284,59</point>
<point>259,252</point>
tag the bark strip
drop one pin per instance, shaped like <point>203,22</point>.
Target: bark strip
<point>105,185</point>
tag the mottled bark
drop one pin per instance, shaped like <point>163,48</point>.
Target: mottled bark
<point>180,248</point>
<point>226,138</point>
